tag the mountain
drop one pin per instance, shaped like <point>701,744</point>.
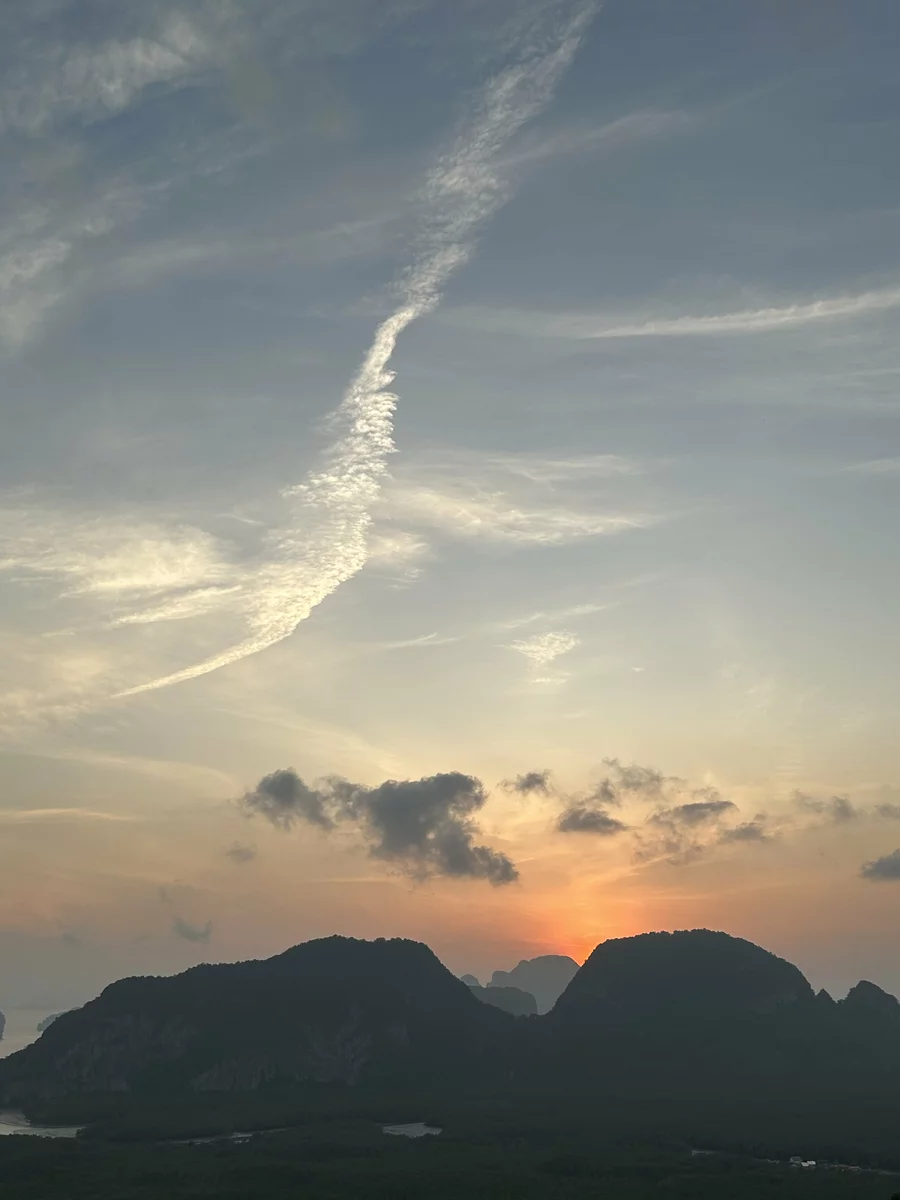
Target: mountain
<point>546,978</point>
<point>694,1010</point>
<point>700,1004</point>
<point>868,1000</point>
<point>694,971</point>
<point>335,1010</point>
<point>509,999</point>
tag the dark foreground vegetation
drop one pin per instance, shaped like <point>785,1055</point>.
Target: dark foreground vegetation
<point>329,1143</point>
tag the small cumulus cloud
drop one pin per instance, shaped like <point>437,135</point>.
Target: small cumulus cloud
<point>890,812</point>
<point>427,827</point>
<point>696,812</point>
<point>581,818</point>
<point>637,781</point>
<point>284,799</point>
<point>883,870</point>
<point>749,831</point>
<point>838,809</point>
<point>191,933</point>
<point>240,854</point>
<point>686,825</point>
<point>528,784</point>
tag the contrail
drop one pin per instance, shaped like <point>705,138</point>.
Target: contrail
<point>325,544</point>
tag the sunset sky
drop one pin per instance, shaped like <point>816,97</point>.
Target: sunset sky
<point>449,480</point>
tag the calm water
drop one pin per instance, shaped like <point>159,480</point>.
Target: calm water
<point>416,1130</point>
<point>14,1122</point>
<point>21,1027</point>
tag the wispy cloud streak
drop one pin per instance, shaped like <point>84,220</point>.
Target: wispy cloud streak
<point>325,543</point>
<point>759,320</point>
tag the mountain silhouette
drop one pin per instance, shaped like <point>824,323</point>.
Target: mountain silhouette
<point>701,1004</point>
<point>510,999</point>
<point>546,978</point>
<point>693,1006</point>
<point>335,1010</point>
<point>866,999</point>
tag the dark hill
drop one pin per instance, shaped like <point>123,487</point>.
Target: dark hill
<point>698,1004</point>
<point>331,1011</point>
<point>509,999</point>
<point>691,972</point>
<point>868,1000</point>
<point>696,1010</point>
<point>546,978</point>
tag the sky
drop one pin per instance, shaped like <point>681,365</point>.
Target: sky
<point>448,480</point>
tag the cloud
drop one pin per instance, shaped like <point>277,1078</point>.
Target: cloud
<point>191,933</point>
<point>240,854</point>
<point>426,826</point>
<point>89,82</point>
<point>633,127</point>
<point>284,799</point>
<point>562,614</point>
<point>112,560</point>
<point>580,818</point>
<point>529,783</point>
<point>545,648</point>
<point>680,833</point>
<point>326,543</point>
<point>749,831</point>
<point>33,815</point>
<point>874,466</point>
<point>520,500</point>
<point>839,809</point>
<point>697,812</point>
<point>581,326</point>
<point>890,812</point>
<point>643,782</point>
<point>882,870</point>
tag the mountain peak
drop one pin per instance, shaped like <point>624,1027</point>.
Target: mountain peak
<point>867,997</point>
<point>697,970</point>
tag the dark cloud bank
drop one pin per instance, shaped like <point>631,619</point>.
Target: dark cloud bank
<point>427,827</point>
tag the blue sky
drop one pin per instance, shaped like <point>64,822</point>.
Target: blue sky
<point>392,389</point>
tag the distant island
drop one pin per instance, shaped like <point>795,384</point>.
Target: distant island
<point>48,1021</point>
<point>510,999</point>
<point>546,978</point>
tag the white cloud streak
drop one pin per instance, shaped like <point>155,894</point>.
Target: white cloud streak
<point>91,82</point>
<point>875,466</point>
<point>327,542</point>
<point>110,559</point>
<point>29,816</point>
<point>546,647</point>
<point>522,500</point>
<point>496,517</point>
<point>581,326</point>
